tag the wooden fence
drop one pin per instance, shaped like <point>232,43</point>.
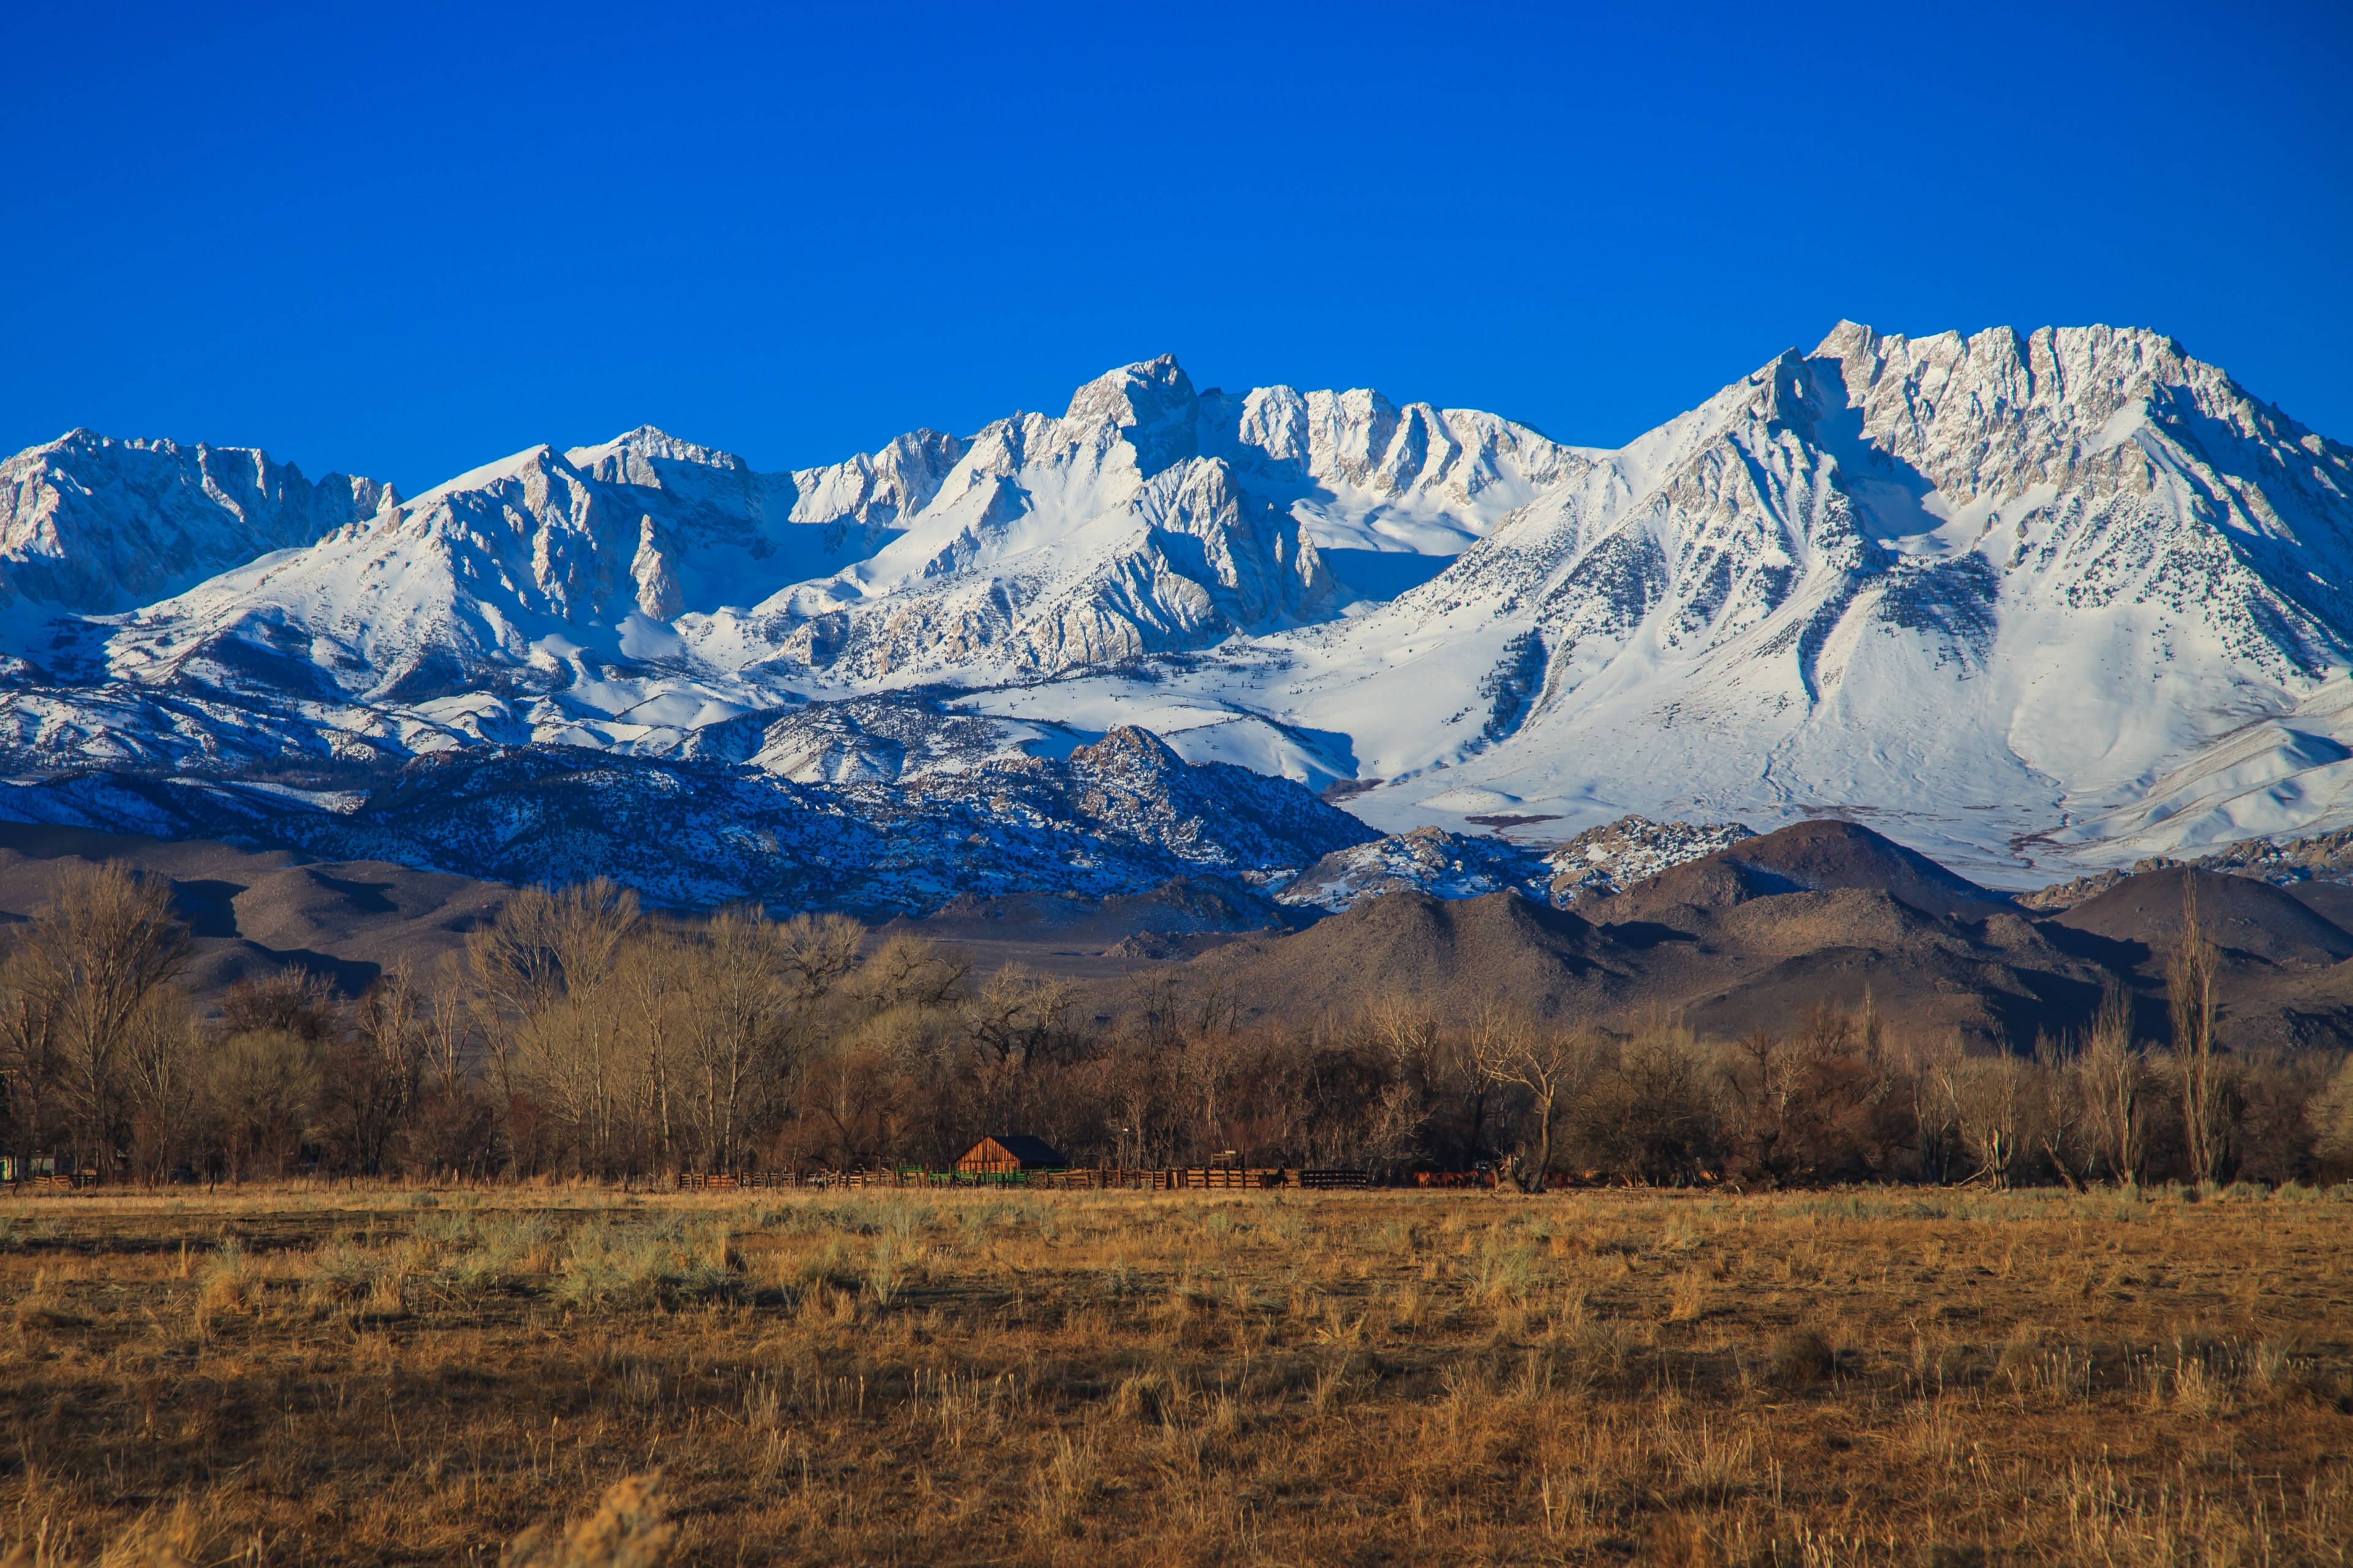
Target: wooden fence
<point>1177,1179</point>
<point>67,1182</point>
<point>729,1181</point>
<point>1182,1178</point>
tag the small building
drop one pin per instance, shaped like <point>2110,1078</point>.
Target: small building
<point>1011,1153</point>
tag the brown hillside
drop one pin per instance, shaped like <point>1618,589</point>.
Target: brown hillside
<point>1810,856</point>
<point>2246,918</point>
<point>1768,961</point>
<point>254,914</point>
<point>1452,955</point>
<point>2287,969</point>
<point>2332,902</point>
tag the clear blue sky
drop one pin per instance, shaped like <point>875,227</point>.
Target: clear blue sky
<point>405,240</point>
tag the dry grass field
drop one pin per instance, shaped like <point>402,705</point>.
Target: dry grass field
<point>1916,1378</point>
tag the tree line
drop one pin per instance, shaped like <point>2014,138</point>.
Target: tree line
<point>578,1034</point>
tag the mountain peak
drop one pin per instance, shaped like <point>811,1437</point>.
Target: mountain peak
<point>1129,392</point>
<point>650,442</point>
<point>93,523</point>
<point>1846,337</point>
<point>1151,402</point>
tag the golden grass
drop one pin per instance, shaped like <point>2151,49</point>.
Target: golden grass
<point>1883,1377</point>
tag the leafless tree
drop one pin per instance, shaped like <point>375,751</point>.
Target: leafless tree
<point>261,1090</point>
<point>447,1028</point>
<point>2192,983</point>
<point>816,953</point>
<point>657,979</point>
<point>377,1071</point>
<point>741,1032</point>
<point>1935,1066</point>
<point>32,1055</point>
<point>1408,1036</point>
<point>909,972</point>
<point>97,955</point>
<point>1996,1110</point>
<point>161,1052</point>
<point>518,959</point>
<point>1758,1078</point>
<point>1546,1064</point>
<point>2332,1119</point>
<point>549,962</point>
<point>1019,1016</point>
<point>2115,1079</point>
<point>2062,1115</point>
<point>450,1126</point>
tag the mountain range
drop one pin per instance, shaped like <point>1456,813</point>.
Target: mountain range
<point>2033,604</point>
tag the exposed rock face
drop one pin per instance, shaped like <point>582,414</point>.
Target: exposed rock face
<point>2319,861</point>
<point>1601,860</point>
<point>1054,545</point>
<point>1426,861</point>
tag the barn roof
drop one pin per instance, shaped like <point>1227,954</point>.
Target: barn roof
<point>1028,1150</point>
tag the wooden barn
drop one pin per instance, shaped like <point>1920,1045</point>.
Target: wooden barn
<point>1011,1153</point>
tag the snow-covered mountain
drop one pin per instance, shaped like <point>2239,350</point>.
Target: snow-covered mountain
<point>88,524</point>
<point>1997,589</point>
<point>2029,603</point>
<point>2026,600</point>
<point>1147,519</point>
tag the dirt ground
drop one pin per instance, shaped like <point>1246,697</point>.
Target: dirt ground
<point>1914,1378</point>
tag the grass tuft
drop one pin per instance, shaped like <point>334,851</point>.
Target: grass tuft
<point>1801,1358</point>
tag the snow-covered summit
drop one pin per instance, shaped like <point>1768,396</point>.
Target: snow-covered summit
<point>1363,473</point>
<point>1052,544</point>
<point>1147,519</point>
